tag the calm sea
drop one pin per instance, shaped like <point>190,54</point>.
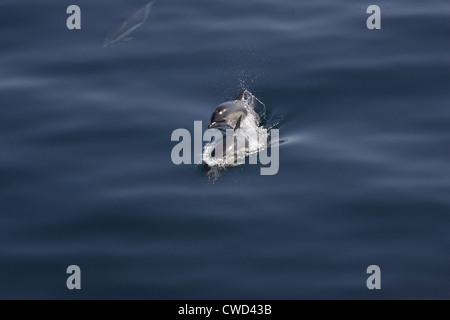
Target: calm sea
<point>86,176</point>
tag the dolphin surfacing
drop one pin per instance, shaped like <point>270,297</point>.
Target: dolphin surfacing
<point>123,30</point>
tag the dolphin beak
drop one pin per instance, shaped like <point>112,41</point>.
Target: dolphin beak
<point>212,125</point>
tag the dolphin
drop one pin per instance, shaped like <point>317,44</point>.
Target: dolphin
<point>228,113</point>
<point>229,153</point>
<point>125,28</point>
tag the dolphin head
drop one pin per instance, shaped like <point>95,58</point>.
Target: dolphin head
<point>227,114</point>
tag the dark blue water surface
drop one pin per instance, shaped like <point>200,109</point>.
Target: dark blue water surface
<point>85,151</point>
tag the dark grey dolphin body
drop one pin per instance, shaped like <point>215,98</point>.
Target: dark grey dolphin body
<point>228,113</point>
<point>228,150</point>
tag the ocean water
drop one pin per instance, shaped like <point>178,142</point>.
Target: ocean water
<point>86,175</point>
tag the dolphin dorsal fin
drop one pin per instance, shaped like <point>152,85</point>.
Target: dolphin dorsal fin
<point>238,124</point>
<point>241,95</point>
